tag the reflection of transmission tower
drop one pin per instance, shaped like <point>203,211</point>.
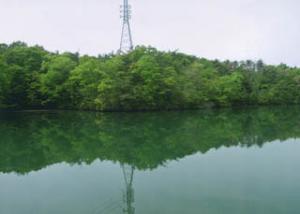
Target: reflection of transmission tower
<point>128,172</point>
<point>126,39</point>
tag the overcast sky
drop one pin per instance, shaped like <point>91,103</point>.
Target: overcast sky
<point>222,29</point>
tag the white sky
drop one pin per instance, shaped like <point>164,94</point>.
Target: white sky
<point>222,29</point>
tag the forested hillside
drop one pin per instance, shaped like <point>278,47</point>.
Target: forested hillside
<point>144,79</point>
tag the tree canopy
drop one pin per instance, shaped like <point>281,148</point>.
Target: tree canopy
<point>144,79</point>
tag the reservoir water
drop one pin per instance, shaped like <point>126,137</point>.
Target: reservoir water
<point>238,161</point>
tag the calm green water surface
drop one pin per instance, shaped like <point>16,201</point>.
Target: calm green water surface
<point>227,162</point>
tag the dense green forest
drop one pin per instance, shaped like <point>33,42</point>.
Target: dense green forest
<point>144,79</point>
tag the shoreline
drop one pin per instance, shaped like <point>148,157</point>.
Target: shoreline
<point>149,111</point>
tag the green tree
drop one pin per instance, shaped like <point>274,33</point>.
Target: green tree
<point>53,87</point>
<point>83,81</point>
<point>4,82</point>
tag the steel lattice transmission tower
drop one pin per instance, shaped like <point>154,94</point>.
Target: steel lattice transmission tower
<point>126,39</point>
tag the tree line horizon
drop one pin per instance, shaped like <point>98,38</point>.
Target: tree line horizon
<point>143,79</point>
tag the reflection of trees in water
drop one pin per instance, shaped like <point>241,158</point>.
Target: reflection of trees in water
<point>31,141</point>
